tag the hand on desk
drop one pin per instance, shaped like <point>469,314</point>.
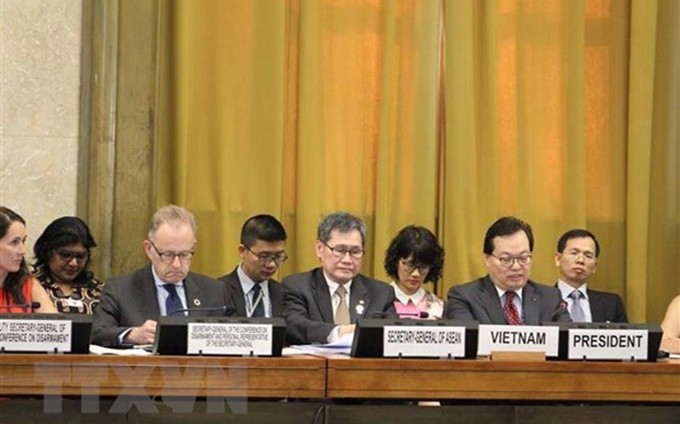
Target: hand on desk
<point>345,329</point>
<point>670,344</point>
<point>144,334</point>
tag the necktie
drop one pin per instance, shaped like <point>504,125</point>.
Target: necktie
<point>258,302</point>
<point>172,302</point>
<point>511,314</point>
<point>342,313</point>
<point>577,314</point>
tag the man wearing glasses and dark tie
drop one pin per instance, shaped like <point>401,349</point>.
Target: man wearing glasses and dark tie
<point>506,295</point>
<point>131,304</point>
<point>253,291</point>
<point>322,305</point>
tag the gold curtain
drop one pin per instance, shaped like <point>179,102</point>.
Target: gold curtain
<point>446,114</point>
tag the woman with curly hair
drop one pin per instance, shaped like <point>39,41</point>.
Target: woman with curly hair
<point>62,259</point>
<point>413,259</point>
<point>19,293</point>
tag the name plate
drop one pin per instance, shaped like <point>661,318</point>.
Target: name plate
<point>603,343</point>
<point>229,339</point>
<point>35,335</point>
<point>423,341</point>
<point>518,338</point>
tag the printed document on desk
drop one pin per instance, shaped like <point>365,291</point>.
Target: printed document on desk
<point>341,346</point>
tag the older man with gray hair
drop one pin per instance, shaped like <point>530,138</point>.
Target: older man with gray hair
<point>131,304</point>
<point>323,304</point>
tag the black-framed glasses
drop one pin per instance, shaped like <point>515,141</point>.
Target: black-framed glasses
<point>168,257</point>
<point>265,258</point>
<point>508,261</point>
<point>409,267</point>
<point>69,255</point>
<point>340,251</point>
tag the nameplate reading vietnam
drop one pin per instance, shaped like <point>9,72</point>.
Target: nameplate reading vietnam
<point>606,343</point>
<point>229,339</point>
<point>516,338</point>
<point>35,335</point>
<point>423,341</point>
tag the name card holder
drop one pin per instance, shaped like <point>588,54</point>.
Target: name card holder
<point>413,341</point>
<point>407,338</point>
<point>31,333</point>
<point>599,341</point>
<point>230,339</point>
<point>225,336</point>
<point>518,338</point>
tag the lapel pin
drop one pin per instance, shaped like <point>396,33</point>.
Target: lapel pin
<point>360,307</point>
<point>197,302</point>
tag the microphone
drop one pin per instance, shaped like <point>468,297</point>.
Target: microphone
<point>418,315</point>
<point>561,308</point>
<point>227,310</point>
<point>27,307</point>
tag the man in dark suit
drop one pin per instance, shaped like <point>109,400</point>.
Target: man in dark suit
<point>506,295</point>
<point>131,304</point>
<point>576,259</point>
<point>251,287</point>
<point>322,305</point>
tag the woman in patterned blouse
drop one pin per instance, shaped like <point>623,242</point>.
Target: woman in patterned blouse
<point>62,259</point>
<point>414,258</point>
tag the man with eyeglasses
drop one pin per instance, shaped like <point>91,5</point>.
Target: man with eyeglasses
<point>253,291</point>
<point>576,259</point>
<point>131,304</point>
<point>506,295</point>
<point>322,305</point>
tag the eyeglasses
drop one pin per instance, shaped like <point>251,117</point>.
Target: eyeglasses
<point>68,255</point>
<point>573,254</point>
<point>266,258</point>
<point>409,267</point>
<point>169,257</point>
<point>341,251</point>
<point>508,261</point>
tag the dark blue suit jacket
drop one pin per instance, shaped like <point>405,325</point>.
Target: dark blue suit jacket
<point>478,301</point>
<point>308,308</point>
<point>129,300</point>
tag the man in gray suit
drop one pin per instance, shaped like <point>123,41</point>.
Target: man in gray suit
<point>576,259</point>
<point>322,305</point>
<point>253,291</point>
<point>506,295</point>
<point>131,304</point>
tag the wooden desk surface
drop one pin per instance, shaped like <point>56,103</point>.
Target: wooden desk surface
<point>110,375</point>
<point>485,379</point>
<point>338,377</point>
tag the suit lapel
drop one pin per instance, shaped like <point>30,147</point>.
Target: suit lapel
<point>275,298</point>
<point>193,293</point>
<point>146,296</point>
<point>237,295</point>
<point>596,309</point>
<point>530,305</point>
<point>322,296</point>
<point>490,300</point>
<point>358,299</point>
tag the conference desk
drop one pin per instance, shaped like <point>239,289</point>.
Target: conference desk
<point>113,375</point>
<point>485,379</point>
<point>338,377</point>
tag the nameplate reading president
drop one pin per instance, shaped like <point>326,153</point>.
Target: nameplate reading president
<point>605,343</point>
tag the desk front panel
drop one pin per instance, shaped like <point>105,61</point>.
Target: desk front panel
<point>485,379</point>
<point>109,375</point>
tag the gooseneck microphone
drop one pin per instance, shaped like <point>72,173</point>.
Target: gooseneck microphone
<point>227,310</point>
<point>26,307</point>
